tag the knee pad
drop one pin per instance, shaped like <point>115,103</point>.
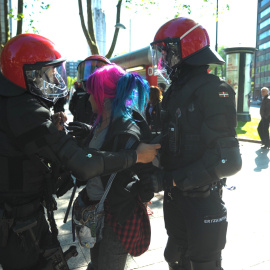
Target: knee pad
<point>176,256</point>
<point>172,252</point>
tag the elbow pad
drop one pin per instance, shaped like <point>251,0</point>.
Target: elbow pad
<point>86,164</point>
<point>230,158</point>
<point>220,162</point>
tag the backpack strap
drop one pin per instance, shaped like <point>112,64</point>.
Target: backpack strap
<point>100,205</point>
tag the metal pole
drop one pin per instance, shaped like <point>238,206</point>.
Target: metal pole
<point>216,48</point>
<point>129,35</point>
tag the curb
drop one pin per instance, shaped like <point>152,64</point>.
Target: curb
<point>249,140</point>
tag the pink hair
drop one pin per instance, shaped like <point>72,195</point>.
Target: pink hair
<point>102,84</point>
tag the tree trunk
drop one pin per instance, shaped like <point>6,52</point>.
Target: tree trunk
<point>116,30</point>
<point>7,30</point>
<point>20,21</point>
<point>91,30</point>
<point>91,43</point>
<point>90,33</point>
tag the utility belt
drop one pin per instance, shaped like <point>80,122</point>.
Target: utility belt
<point>5,225</point>
<point>9,215</point>
<point>53,258</point>
<point>201,192</point>
<point>22,211</point>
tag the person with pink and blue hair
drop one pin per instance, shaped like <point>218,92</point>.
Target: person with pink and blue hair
<point>119,99</point>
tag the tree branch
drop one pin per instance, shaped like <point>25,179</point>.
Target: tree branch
<point>20,21</point>
<point>116,30</point>
<point>91,44</point>
<point>6,21</point>
<point>91,30</point>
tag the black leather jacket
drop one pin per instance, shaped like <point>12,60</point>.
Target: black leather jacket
<point>27,135</point>
<point>133,183</point>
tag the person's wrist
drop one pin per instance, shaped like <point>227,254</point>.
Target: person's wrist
<point>137,156</point>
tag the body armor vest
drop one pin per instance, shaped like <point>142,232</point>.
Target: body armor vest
<point>184,108</point>
<point>20,180</point>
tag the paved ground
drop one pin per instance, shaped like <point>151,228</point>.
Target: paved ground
<point>248,238</point>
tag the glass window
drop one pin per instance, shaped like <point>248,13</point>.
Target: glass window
<point>265,23</point>
<point>265,12</point>
<point>264,46</point>
<point>264,34</point>
<point>263,2</point>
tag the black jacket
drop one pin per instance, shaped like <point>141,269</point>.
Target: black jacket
<point>135,181</point>
<point>27,135</point>
<point>265,107</point>
<point>80,107</point>
<point>199,130</point>
<point>154,119</point>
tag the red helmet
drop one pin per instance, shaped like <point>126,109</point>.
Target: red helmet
<point>32,62</point>
<point>181,40</point>
<point>88,66</point>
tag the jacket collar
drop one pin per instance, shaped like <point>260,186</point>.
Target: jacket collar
<point>8,88</point>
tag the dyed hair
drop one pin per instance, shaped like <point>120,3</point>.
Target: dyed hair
<point>132,93</point>
<point>102,84</point>
<point>127,90</point>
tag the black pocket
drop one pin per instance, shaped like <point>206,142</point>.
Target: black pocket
<point>5,225</point>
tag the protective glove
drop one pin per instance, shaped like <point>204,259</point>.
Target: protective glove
<point>79,129</point>
<point>64,187</point>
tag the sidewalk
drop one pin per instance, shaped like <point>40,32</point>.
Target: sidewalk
<point>248,237</point>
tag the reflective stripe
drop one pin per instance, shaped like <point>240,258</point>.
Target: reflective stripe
<point>190,30</point>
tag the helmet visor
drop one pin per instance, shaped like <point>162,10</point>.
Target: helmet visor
<point>165,55</point>
<point>48,81</point>
<point>86,68</point>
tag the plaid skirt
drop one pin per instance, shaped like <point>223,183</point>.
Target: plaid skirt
<point>135,232</point>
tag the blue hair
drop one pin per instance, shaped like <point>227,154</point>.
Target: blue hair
<point>132,93</point>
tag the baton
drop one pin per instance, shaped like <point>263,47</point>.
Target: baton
<point>71,198</point>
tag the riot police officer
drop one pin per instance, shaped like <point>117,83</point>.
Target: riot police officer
<point>79,104</point>
<point>199,149</point>
<point>34,154</point>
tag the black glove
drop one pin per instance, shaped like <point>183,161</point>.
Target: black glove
<point>79,129</point>
<point>64,187</point>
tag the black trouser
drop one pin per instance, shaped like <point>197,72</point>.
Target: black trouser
<point>20,252</point>
<point>263,130</point>
<point>196,226</point>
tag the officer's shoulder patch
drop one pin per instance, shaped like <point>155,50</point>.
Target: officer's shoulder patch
<point>223,94</point>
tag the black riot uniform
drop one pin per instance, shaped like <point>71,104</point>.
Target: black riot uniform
<point>36,159</point>
<point>80,107</point>
<point>199,148</point>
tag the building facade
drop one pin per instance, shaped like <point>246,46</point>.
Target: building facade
<point>3,21</point>
<point>71,68</point>
<point>262,57</point>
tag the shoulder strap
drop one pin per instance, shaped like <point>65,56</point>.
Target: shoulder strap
<point>100,205</point>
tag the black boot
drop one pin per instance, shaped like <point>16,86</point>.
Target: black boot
<point>213,265</point>
<point>183,264</point>
<point>90,266</point>
<point>175,266</point>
